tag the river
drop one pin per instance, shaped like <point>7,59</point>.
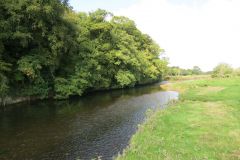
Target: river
<point>96,125</point>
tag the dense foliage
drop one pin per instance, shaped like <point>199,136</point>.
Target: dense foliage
<point>223,70</point>
<point>46,49</point>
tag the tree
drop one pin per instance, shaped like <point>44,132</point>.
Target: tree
<point>237,72</point>
<point>222,70</point>
<point>174,71</point>
<point>186,72</point>
<point>112,54</point>
<point>34,36</point>
<point>4,69</point>
<point>196,70</point>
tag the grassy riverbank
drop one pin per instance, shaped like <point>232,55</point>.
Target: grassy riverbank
<point>204,124</point>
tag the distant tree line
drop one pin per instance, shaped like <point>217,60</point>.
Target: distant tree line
<point>47,49</point>
<point>177,71</point>
<point>224,70</point>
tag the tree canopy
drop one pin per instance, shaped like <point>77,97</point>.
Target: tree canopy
<point>48,49</point>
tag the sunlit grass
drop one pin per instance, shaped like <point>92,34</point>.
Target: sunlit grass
<point>188,77</point>
<point>204,124</point>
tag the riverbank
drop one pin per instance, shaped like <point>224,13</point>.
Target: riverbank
<point>9,100</point>
<point>204,124</point>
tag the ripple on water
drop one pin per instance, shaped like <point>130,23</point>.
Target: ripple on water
<point>99,124</point>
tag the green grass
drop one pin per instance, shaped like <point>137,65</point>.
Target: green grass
<point>204,124</point>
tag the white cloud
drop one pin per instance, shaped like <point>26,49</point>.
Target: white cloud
<point>197,34</point>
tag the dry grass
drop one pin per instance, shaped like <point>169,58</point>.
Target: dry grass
<point>215,109</point>
<point>172,87</point>
<point>191,77</point>
<point>210,89</point>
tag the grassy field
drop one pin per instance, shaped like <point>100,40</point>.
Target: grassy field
<point>204,124</point>
<point>189,77</point>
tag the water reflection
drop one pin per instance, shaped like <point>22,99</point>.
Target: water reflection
<point>98,124</point>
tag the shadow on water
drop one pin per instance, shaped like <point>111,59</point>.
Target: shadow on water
<point>96,125</point>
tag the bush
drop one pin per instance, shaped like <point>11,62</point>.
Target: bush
<point>222,70</point>
<point>237,72</point>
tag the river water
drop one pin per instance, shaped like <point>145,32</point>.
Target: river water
<point>95,125</point>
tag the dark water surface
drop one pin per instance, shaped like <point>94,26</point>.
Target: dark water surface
<point>96,125</point>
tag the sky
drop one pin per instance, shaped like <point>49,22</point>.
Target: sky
<point>192,32</point>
